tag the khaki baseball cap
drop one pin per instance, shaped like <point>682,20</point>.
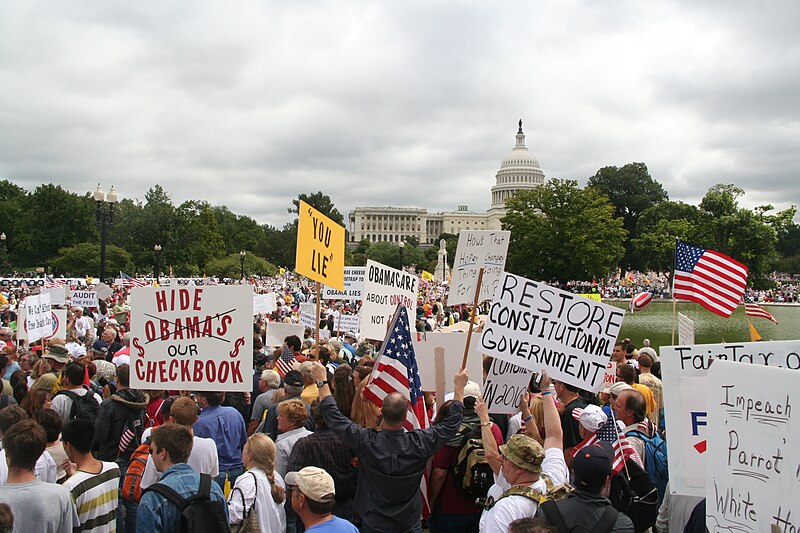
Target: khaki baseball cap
<point>315,483</point>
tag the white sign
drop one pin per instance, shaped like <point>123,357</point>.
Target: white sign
<point>307,314</point>
<point>353,286</point>
<point>349,323</point>
<point>264,303</point>
<point>476,250</point>
<point>753,448</point>
<point>38,319</point>
<point>685,330</point>
<point>504,387</point>
<point>384,288</point>
<point>58,324</point>
<point>685,385</point>
<point>451,345</point>
<point>84,298</point>
<point>541,327</point>
<point>58,295</point>
<point>192,338</point>
<point>277,331</point>
<point>611,375</point>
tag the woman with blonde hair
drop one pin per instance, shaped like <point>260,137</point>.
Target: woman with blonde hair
<point>260,490</point>
<point>292,416</point>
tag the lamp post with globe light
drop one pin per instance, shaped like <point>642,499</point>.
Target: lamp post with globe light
<point>241,259</point>
<point>157,250</point>
<point>105,216</point>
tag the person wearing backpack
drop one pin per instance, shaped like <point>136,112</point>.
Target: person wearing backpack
<point>75,400</point>
<point>585,509</point>
<point>458,469</point>
<point>182,500</point>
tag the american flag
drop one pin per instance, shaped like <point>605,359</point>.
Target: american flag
<point>709,278</point>
<point>640,301</point>
<point>128,281</point>
<point>396,371</point>
<point>285,362</point>
<point>609,432</point>
<point>50,283</point>
<point>758,311</point>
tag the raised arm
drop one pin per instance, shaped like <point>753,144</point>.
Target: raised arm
<point>348,430</point>
<point>554,435</point>
<point>489,444</point>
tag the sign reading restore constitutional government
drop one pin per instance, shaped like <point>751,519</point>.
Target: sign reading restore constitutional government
<point>476,250</point>
<point>384,288</point>
<point>753,448</point>
<point>320,247</point>
<point>192,338</point>
<point>353,286</point>
<point>684,369</point>
<point>536,326</point>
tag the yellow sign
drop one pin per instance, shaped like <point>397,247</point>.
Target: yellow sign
<point>592,296</point>
<point>320,248</point>
<point>427,276</point>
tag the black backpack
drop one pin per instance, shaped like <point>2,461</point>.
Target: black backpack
<point>472,473</point>
<point>84,407</point>
<point>635,494</point>
<point>199,513</point>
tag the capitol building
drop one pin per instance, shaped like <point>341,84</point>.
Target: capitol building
<point>519,171</point>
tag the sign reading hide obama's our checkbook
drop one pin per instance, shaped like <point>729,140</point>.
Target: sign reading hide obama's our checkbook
<point>192,338</point>
<point>536,326</point>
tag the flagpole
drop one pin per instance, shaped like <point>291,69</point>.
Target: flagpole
<point>316,321</point>
<point>674,300</point>
<point>472,319</point>
<point>619,443</point>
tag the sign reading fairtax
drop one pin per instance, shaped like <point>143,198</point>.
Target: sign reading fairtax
<point>320,248</point>
<point>192,338</point>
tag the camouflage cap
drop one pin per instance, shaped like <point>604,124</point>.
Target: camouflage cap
<point>524,452</point>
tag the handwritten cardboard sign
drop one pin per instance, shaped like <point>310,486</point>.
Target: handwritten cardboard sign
<point>476,250</point>
<point>58,324</point>
<point>537,326</point>
<point>504,387</point>
<point>308,312</point>
<point>58,295</point>
<point>320,247</point>
<point>84,298</point>
<point>277,331</point>
<point>685,330</point>
<point>353,285</point>
<point>753,448</point>
<point>451,346</point>
<point>384,288</point>
<point>264,303</point>
<point>38,318</point>
<point>610,376</point>
<point>192,338</point>
<point>684,369</point>
<point>351,323</point>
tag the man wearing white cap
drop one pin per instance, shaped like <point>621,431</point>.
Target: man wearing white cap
<point>313,499</point>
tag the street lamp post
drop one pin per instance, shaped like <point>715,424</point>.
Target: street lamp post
<point>6,261</point>
<point>105,215</point>
<point>402,245</point>
<point>157,250</point>
<point>241,261</point>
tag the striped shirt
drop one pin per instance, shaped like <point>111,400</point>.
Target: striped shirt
<point>95,497</point>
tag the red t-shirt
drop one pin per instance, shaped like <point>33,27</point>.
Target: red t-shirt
<point>450,501</point>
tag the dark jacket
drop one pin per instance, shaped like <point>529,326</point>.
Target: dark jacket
<point>122,407</point>
<point>582,510</point>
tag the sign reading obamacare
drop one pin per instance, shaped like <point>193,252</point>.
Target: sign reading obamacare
<point>192,338</point>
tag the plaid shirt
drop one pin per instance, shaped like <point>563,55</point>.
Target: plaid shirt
<point>326,450</point>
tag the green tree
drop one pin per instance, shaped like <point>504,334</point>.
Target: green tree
<point>657,229</point>
<point>84,258</point>
<point>631,190</point>
<point>240,232</point>
<point>562,232</point>
<point>197,237</point>
<point>322,203</point>
<point>230,266</point>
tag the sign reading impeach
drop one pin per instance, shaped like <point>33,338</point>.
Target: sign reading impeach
<point>536,326</point>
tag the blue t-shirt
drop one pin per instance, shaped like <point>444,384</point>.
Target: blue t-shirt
<point>334,525</point>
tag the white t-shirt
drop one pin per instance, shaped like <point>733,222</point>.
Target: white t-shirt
<point>271,515</point>
<point>62,403</point>
<point>203,459</point>
<point>506,510</point>
<point>45,469</point>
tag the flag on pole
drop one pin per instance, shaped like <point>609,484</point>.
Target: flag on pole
<point>128,281</point>
<point>609,432</point>
<point>285,362</point>
<point>640,301</point>
<point>50,283</point>
<point>755,336</point>
<point>396,370</point>
<point>708,278</point>
<point>758,311</point>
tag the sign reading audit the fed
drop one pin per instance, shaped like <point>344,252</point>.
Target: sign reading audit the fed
<point>192,338</point>
<point>536,326</point>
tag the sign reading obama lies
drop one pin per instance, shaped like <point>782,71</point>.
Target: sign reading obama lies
<point>192,338</point>
<point>536,326</point>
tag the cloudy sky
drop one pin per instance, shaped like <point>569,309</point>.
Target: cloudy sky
<point>396,103</point>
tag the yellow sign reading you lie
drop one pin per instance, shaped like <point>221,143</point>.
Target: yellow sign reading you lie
<point>320,248</point>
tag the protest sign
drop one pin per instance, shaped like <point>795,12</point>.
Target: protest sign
<point>38,318</point>
<point>320,247</point>
<point>264,303</point>
<point>685,330</point>
<point>103,291</point>
<point>753,453</point>
<point>683,369</point>
<point>353,285</point>
<point>610,376</point>
<point>541,327</point>
<point>504,387</point>
<point>58,324</point>
<point>384,288</point>
<point>452,346</point>
<point>347,323</point>
<point>58,295</point>
<point>307,314</point>
<point>476,250</point>
<point>192,338</point>
<point>84,298</point>
<point>277,331</point>
<point>591,296</point>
